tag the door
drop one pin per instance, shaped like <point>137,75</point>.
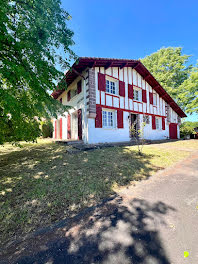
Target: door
<point>133,125</point>
<point>79,124</point>
<point>173,131</point>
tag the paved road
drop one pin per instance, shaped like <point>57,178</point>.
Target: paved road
<point>151,223</point>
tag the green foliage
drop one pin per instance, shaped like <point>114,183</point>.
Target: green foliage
<point>170,67</point>
<point>47,128</point>
<point>187,128</point>
<point>34,47</point>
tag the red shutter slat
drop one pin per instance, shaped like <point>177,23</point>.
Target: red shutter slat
<point>153,122</point>
<point>151,97</point>
<point>130,91</point>
<point>61,128</point>
<point>101,82</point>
<point>122,88</point>
<point>68,127</point>
<point>144,100</point>
<point>55,129</point>
<point>98,120</point>
<point>120,118</point>
<point>68,96</point>
<point>163,123</point>
<point>79,87</point>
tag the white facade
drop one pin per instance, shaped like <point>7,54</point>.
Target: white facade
<point>113,102</point>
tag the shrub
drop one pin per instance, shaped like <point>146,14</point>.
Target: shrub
<point>47,128</point>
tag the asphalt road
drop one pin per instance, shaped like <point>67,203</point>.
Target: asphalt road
<point>151,223</point>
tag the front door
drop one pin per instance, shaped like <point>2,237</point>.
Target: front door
<point>133,125</point>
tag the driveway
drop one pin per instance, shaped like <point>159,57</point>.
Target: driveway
<point>153,222</point>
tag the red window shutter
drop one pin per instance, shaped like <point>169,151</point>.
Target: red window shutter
<point>101,82</point>
<point>55,129</point>
<point>130,91</point>
<point>68,96</point>
<point>79,87</point>
<point>163,123</point>
<point>122,88</point>
<point>153,122</point>
<point>79,124</point>
<point>144,99</point>
<point>61,128</point>
<point>98,120</point>
<point>68,127</point>
<point>151,97</point>
<point>120,118</point>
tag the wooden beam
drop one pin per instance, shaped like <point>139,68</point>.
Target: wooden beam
<point>135,66</point>
<point>109,64</point>
<point>79,74</point>
<point>92,64</point>
<point>123,65</point>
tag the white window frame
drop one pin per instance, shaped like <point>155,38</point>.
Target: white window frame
<point>154,99</point>
<point>108,113</point>
<point>158,123</point>
<point>139,98</point>
<point>111,81</point>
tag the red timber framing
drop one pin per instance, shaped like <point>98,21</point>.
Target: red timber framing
<point>86,62</point>
<point>100,106</point>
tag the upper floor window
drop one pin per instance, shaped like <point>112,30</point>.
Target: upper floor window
<point>110,87</point>
<point>154,99</point>
<point>137,95</point>
<point>158,123</point>
<point>108,118</point>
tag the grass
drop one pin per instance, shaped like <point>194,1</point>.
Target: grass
<point>41,183</point>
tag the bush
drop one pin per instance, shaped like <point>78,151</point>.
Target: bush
<point>47,128</point>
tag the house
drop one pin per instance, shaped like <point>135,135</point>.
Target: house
<point>108,96</point>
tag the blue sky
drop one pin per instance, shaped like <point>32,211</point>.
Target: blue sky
<point>133,29</point>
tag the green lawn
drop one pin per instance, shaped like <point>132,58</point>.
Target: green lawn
<point>41,183</point>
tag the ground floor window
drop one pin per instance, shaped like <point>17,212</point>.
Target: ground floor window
<point>158,122</point>
<point>108,118</point>
<point>146,119</point>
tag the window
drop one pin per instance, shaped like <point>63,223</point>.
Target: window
<point>158,123</point>
<point>154,99</point>
<point>108,119</point>
<point>73,93</point>
<point>146,119</point>
<point>110,87</point>
<point>137,94</point>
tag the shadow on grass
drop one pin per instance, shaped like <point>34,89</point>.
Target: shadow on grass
<point>114,233</point>
<point>43,184</point>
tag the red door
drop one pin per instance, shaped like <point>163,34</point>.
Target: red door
<point>173,131</point>
<point>79,124</point>
<point>68,127</point>
<point>61,128</point>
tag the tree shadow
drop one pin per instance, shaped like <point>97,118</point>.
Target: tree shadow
<point>116,232</point>
<point>45,184</point>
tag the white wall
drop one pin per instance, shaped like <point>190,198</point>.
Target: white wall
<point>102,135</point>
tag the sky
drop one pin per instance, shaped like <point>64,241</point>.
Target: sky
<point>132,29</point>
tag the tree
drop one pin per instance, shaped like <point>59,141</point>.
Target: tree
<point>179,79</point>
<point>187,128</point>
<point>34,49</point>
<point>188,93</point>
